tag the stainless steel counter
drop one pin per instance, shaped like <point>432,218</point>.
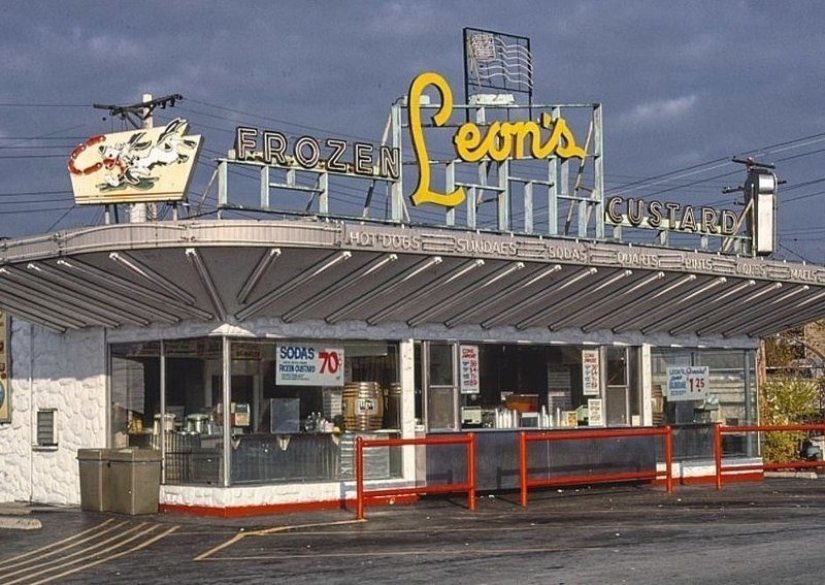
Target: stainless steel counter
<point>266,458</point>
<point>497,457</point>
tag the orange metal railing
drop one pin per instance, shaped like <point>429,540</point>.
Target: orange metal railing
<point>525,438</point>
<point>468,486</point>
<point>717,448</point>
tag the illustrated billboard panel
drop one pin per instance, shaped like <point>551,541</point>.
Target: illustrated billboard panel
<point>153,164</point>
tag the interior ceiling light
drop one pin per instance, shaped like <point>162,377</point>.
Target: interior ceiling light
<point>257,273</point>
<point>473,288</point>
<point>572,299</point>
<point>498,297</point>
<point>207,282</point>
<point>384,288</point>
<point>273,295</point>
<point>423,292</point>
<point>130,288</point>
<point>340,287</point>
<point>613,300</point>
<point>540,296</point>
<point>152,276</point>
<point>103,294</point>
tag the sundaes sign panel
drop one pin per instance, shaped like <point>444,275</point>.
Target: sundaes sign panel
<point>153,164</point>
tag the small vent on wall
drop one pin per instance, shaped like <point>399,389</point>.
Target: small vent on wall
<point>46,428</point>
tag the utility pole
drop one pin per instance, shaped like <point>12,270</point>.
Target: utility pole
<point>139,212</point>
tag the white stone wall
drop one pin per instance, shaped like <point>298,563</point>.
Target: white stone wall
<point>52,371</point>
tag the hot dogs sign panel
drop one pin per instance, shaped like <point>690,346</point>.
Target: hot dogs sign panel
<point>309,365</point>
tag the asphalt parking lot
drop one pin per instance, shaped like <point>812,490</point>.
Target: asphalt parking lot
<point>768,532</point>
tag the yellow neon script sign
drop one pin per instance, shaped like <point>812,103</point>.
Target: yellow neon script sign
<point>499,141</point>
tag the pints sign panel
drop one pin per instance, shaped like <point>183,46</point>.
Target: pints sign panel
<point>5,410</point>
<point>309,365</point>
<point>154,164</point>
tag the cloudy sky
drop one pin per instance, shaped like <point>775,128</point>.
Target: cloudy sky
<point>685,86</point>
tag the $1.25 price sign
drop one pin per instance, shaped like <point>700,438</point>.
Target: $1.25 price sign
<point>688,383</point>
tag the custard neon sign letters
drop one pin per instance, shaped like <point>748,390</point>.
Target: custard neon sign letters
<point>499,141</point>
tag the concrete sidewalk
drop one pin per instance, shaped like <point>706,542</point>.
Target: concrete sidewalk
<point>17,516</point>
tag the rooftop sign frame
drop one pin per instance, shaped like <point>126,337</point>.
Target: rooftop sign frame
<point>532,169</point>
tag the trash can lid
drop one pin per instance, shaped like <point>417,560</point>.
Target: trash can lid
<point>91,454</point>
<point>133,455</point>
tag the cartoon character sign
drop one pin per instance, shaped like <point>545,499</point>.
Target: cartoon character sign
<point>153,164</point>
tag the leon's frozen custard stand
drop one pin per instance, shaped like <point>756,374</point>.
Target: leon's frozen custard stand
<point>484,284</point>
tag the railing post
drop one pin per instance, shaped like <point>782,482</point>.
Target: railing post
<point>522,467</point>
<point>471,471</point>
<point>669,459</point>
<point>359,478</point>
<point>717,451</point>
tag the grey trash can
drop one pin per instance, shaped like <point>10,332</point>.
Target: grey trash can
<point>94,479</point>
<point>134,481</point>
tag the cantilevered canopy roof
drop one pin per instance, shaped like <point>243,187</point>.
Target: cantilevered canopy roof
<point>235,271</point>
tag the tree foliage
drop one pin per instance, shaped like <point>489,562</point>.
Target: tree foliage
<point>787,400</point>
<point>782,350</point>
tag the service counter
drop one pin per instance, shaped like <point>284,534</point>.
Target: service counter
<point>497,457</point>
<point>262,458</point>
<point>695,441</point>
<point>271,458</point>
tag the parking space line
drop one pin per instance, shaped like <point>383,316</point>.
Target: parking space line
<point>89,548</point>
<point>441,551</point>
<point>266,532</point>
<point>20,559</point>
<point>85,552</point>
<point>134,549</point>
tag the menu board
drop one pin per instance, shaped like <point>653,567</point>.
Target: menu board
<point>5,409</point>
<point>590,372</point>
<point>469,369</point>
<point>559,391</point>
<point>595,413</point>
<point>303,364</point>
<point>687,383</point>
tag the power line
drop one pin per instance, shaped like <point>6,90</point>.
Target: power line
<point>276,120</point>
<point>33,138</point>
<point>31,105</point>
<point>30,193</point>
<point>30,156</point>
<point>41,201</point>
